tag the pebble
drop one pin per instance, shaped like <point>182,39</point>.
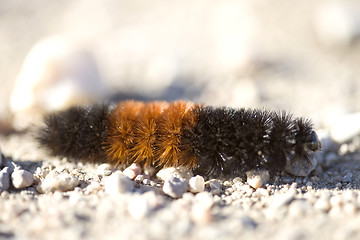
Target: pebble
<point>197,184</point>
<point>56,181</point>
<point>257,178</point>
<point>175,187</point>
<point>132,171</point>
<point>149,171</point>
<point>22,178</point>
<point>93,187</point>
<point>215,186</point>
<point>118,183</point>
<point>104,169</point>
<point>179,172</point>
<point>5,179</point>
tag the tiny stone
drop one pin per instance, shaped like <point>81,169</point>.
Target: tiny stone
<point>104,169</point>
<point>197,184</point>
<point>22,178</point>
<point>237,180</point>
<point>257,178</point>
<point>146,181</point>
<point>93,187</point>
<point>5,179</point>
<point>118,183</point>
<point>132,171</point>
<point>149,171</point>
<point>139,178</point>
<point>175,187</point>
<point>179,172</point>
<point>56,181</point>
<point>215,186</point>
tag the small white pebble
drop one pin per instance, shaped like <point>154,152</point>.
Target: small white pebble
<point>132,171</point>
<point>175,187</point>
<point>197,184</point>
<point>257,178</point>
<point>56,181</point>
<point>118,183</point>
<point>22,178</point>
<point>104,169</point>
<point>93,187</point>
<point>179,172</point>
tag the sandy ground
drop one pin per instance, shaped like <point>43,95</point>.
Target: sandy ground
<point>325,204</point>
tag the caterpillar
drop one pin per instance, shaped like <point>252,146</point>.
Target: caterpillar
<point>212,141</point>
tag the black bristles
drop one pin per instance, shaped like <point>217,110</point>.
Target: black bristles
<point>231,142</point>
<point>77,133</point>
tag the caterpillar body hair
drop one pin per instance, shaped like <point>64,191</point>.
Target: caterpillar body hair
<point>209,140</point>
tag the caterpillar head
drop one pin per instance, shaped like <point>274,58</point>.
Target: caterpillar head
<point>300,161</point>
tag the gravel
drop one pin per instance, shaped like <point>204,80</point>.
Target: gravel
<point>78,201</point>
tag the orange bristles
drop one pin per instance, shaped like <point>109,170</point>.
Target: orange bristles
<point>150,134</point>
<point>120,139</point>
<point>143,150</point>
<point>178,116</point>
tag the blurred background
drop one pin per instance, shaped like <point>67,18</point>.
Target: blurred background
<point>301,56</point>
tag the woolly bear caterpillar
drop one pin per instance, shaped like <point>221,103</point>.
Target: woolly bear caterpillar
<point>209,140</point>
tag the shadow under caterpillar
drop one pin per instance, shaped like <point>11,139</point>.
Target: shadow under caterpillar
<point>209,140</point>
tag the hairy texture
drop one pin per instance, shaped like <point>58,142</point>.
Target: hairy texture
<point>210,140</point>
<point>145,137</point>
<point>121,133</point>
<point>232,141</point>
<point>171,152</point>
<point>77,133</point>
